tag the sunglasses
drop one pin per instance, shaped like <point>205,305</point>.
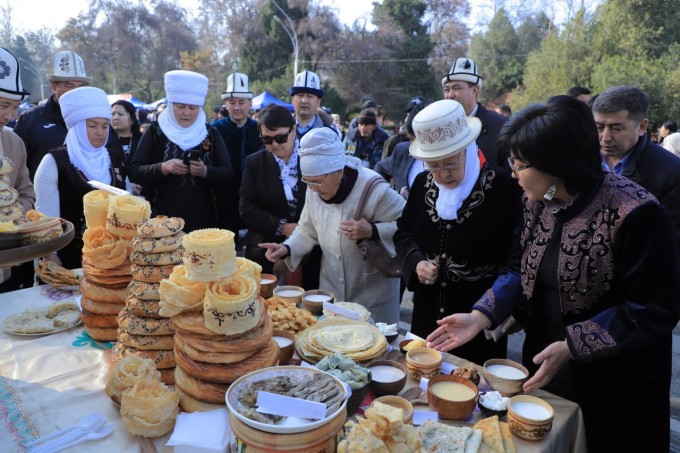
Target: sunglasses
<point>278,138</point>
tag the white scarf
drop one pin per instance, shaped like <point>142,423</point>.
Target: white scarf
<point>94,163</point>
<point>450,200</point>
<point>185,138</point>
<point>288,171</point>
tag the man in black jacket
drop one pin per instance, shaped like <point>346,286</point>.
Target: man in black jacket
<point>42,128</point>
<point>463,84</point>
<point>621,116</point>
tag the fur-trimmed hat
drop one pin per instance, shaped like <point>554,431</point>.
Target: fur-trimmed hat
<point>464,69</point>
<point>307,82</point>
<point>10,77</point>
<point>237,87</point>
<point>68,66</point>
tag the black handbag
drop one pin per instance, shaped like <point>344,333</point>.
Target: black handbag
<point>373,250</point>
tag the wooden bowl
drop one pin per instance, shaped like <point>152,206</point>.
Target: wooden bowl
<point>423,363</point>
<point>507,386</point>
<point>267,284</point>
<point>381,386</point>
<point>450,409</point>
<point>289,293</point>
<point>529,417</point>
<point>313,300</point>
<point>286,351</point>
<point>400,403</point>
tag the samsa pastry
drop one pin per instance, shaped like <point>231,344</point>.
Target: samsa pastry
<point>149,408</point>
<point>126,372</point>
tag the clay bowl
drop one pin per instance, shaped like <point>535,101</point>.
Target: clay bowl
<point>286,351</point>
<point>398,402</point>
<point>451,409</point>
<point>387,383</point>
<point>529,417</point>
<point>357,397</point>
<point>289,293</point>
<point>267,284</point>
<point>507,386</point>
<point>313,300</point>
<point>423,363</point>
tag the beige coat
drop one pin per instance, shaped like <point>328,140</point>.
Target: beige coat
<point>13,147</point>
<point>343,269</point>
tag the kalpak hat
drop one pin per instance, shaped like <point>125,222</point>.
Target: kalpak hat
<point>68,66</point>
<point>186,87</point>
<point>307,82</point>
<point>443,130</point>
<point>464,69</point>
<point>10,77</point>
<point>84,103</point>
<point>237,87</point>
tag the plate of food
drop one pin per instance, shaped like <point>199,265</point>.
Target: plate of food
<point>58,276</point>
<point>299,382</point>
<point>44,320</point>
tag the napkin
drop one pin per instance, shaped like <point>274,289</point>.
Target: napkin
<point>201,432</point>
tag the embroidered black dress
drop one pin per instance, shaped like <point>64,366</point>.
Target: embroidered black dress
<point>72,187</point>
<point>469,251</point>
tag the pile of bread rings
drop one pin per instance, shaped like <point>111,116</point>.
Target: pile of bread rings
<point>10,208</point>
<point>106,260</point>
<point>143,331</point>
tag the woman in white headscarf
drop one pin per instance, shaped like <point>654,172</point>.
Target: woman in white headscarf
<point>62,176</point>
<point>181,161</point>
<point>458,226</point>
<point>335,184</point>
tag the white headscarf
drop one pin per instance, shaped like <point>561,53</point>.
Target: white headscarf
<point>95,163</point>
<point>185,137</point>
<point>449,201</point>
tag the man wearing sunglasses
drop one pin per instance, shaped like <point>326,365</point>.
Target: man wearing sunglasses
<point>241,136</point>
<point>306,95</point>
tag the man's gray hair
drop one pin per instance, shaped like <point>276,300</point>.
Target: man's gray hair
<point>616,99</point>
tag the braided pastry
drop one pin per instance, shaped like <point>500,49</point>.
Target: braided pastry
<point>160,226</point>
<point>6,165</point>
<point>157,259</point>
<point>150,274</point>
<point>11,213</point>
<point>162,358</point>
<point>155,245</point>
<point>143,308</point>
<point>144,290</point>
<point>8,197</point>
<point>146,342</point>
<point>144,326</point>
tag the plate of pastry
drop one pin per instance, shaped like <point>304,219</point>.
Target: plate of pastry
<point>44,320</point>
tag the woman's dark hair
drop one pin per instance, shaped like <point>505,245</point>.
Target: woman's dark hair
<point>275,116</point>
<point>134,127</point>
<point>559,138</point>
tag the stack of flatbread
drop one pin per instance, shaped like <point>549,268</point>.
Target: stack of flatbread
<point>356,340</point>
<point>496,436</point>
<point>56,275</point>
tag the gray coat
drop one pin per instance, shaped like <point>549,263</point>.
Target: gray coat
<point>397,167</point>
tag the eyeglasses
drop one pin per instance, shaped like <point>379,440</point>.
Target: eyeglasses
<point>511,162</point>
<point>314,183</point>
<point>453,166</point>
<point>278,138</point>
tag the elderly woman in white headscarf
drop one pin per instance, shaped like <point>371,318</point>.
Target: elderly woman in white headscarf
<point>335,184</point>
<point>672,143</point>
<point>457,229</point>
<point>62,177</point>
<point>181,161</point>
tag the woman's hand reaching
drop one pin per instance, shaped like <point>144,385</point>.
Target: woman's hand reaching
<point>551,359</point>
<point>456,330</point>
<point>274,250</point>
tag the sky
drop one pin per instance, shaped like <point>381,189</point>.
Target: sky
<point>33,14</point>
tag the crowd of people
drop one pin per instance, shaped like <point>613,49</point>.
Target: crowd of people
<point>564,216</point>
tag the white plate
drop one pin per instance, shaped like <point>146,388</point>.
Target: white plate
<point>288,425</point>
<point>60,329</point>
<point>48,332</point>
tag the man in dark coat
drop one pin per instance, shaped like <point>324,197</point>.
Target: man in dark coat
<point>463,84</point>
<point>240,134</point>
<point>42,128</point>
<point>621,116</point>
<point>306,95</point>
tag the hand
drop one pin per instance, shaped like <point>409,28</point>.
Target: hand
<point>274,250</point>
<point>427,272</point>
<point>198,168</point>
<point>552,359</point>
<point>456,330</point>
<point>174,167</point>
<point>356,229</point>
<point>135,189</point>
<point>288,229</point>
